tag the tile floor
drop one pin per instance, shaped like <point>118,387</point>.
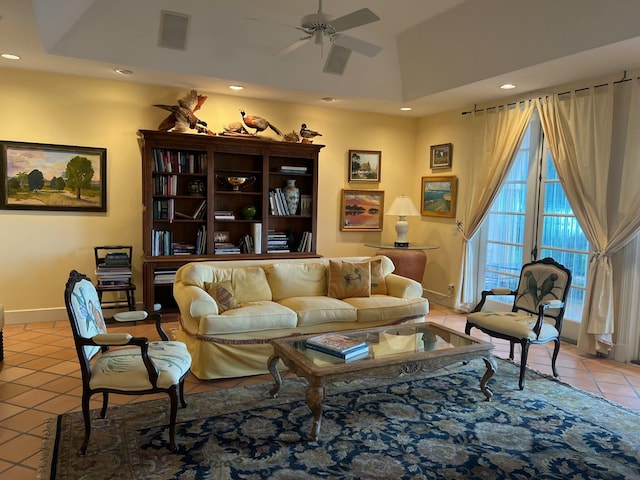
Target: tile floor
<point>40,379</point>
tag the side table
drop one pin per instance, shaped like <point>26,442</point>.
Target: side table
<point>409,261</point>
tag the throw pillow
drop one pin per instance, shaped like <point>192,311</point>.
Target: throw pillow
<point>349,279</point>
<point>378,285</point>
<point>222,293</point>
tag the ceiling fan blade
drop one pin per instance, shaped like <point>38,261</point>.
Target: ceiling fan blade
<point>357,45</point>
<point>337,60</point>
<point>354,19</point>
<point>297,44</point>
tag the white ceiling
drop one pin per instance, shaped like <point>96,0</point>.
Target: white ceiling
<point>437,55</point>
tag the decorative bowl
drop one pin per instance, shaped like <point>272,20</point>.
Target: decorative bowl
<point>235,182</point>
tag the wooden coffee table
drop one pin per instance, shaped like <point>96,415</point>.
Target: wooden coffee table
<point>393,351</point>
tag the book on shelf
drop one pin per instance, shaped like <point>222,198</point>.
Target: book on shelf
<point>337,343</point>
<point>256,237</point>
<point>201,211</point>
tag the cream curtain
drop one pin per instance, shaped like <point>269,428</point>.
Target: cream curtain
<point>497,134</point>
<point>597,176</point>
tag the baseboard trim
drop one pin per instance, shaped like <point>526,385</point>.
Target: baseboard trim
<point>37,315</point>
<point>44,315</point>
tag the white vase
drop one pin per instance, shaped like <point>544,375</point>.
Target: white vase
<point>292,195</point>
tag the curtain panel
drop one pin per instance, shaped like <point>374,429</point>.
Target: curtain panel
<point>497,133</point>
<point>598,166</point>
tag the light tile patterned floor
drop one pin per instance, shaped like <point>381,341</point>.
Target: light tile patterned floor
<point>40,379</point>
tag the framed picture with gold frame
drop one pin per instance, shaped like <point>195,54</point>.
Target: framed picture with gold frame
<point>39,176</point>
<point>439,195</point>
<point>362,210</point>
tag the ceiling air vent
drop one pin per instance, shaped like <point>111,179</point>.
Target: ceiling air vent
<point>173,30</point>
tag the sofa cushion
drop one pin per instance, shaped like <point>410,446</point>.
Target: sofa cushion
<point>349,279</point>
<point>381,307</point>
<point>249,317</point>
<point>250,284</point>
<point>318,309</point>
<point>378,285</point>
<point>222,293</point>
<point>296,280</point>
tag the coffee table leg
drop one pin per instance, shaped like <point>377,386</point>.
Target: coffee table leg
<point>492,366</point>
<point>315,396</point>
<point>272,365</point>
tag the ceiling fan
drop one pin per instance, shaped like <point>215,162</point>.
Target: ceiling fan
<point>319,25</point>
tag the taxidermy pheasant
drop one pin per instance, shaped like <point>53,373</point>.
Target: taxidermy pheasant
<point>307,135</point>
<point>182,117</point>
<point>259,124</point>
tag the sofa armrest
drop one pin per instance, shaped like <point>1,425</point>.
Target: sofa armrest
<point>193,302</point>
<point>402,287</point>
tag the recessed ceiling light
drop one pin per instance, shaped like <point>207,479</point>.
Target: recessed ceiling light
<point>236,87</point>
<point>507,86</point>
<point>406,109</point>
<point>123,71</point>
<point>10,56</point>
<point>328,99</point>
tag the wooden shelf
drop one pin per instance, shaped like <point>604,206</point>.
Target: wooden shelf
<point>170,161</point>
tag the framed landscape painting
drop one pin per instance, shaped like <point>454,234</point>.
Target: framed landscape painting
<point>38,176</point>
<point>362,210</point>
<point>364,165</point>
<point>439,196</point>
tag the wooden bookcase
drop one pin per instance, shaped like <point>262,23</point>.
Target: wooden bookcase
<point>186,202</point>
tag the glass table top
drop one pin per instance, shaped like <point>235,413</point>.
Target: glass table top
<point>391,341</point>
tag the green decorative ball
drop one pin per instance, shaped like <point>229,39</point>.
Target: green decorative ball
<point>248,212</point>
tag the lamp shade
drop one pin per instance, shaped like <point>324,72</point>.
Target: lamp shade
<point>403,207</point>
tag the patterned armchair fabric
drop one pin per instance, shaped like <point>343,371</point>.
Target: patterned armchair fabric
<point>537,311</point>
<point>119,362</point>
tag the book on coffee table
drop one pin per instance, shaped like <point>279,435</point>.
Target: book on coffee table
<point>339,345</point>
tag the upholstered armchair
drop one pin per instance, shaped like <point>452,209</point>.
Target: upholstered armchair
<point>120,362</point>
<point>537,311</point>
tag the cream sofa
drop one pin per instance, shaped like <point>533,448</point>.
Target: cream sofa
<point>259,300</point>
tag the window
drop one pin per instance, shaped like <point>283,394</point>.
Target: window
<point>530,219</point>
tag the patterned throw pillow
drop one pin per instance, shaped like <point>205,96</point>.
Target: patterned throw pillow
<point>222,293</point>
<point>349,279</point>
<point>378,285</point>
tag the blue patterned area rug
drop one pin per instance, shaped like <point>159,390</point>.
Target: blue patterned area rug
<point>433,427</point>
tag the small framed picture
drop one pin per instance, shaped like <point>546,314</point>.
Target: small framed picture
<point>441,156</point>
<point>362,210</point>
<point>364,165</point>
<point>439,196</point>
<point>221,236</point>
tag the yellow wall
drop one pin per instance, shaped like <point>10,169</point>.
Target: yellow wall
<point>38,249</point>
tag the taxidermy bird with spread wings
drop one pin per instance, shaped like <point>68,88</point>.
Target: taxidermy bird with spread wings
<point>182,116</point>
<point>259,124</point>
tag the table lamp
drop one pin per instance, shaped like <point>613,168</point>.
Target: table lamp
<point>403,207</point>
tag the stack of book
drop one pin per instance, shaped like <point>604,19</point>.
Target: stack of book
<point>224,215</point>
<point>225,247</point>
<point>292,169</point>
<point>338,345</point>
<point>115,269</point>
<point>277,242</point>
